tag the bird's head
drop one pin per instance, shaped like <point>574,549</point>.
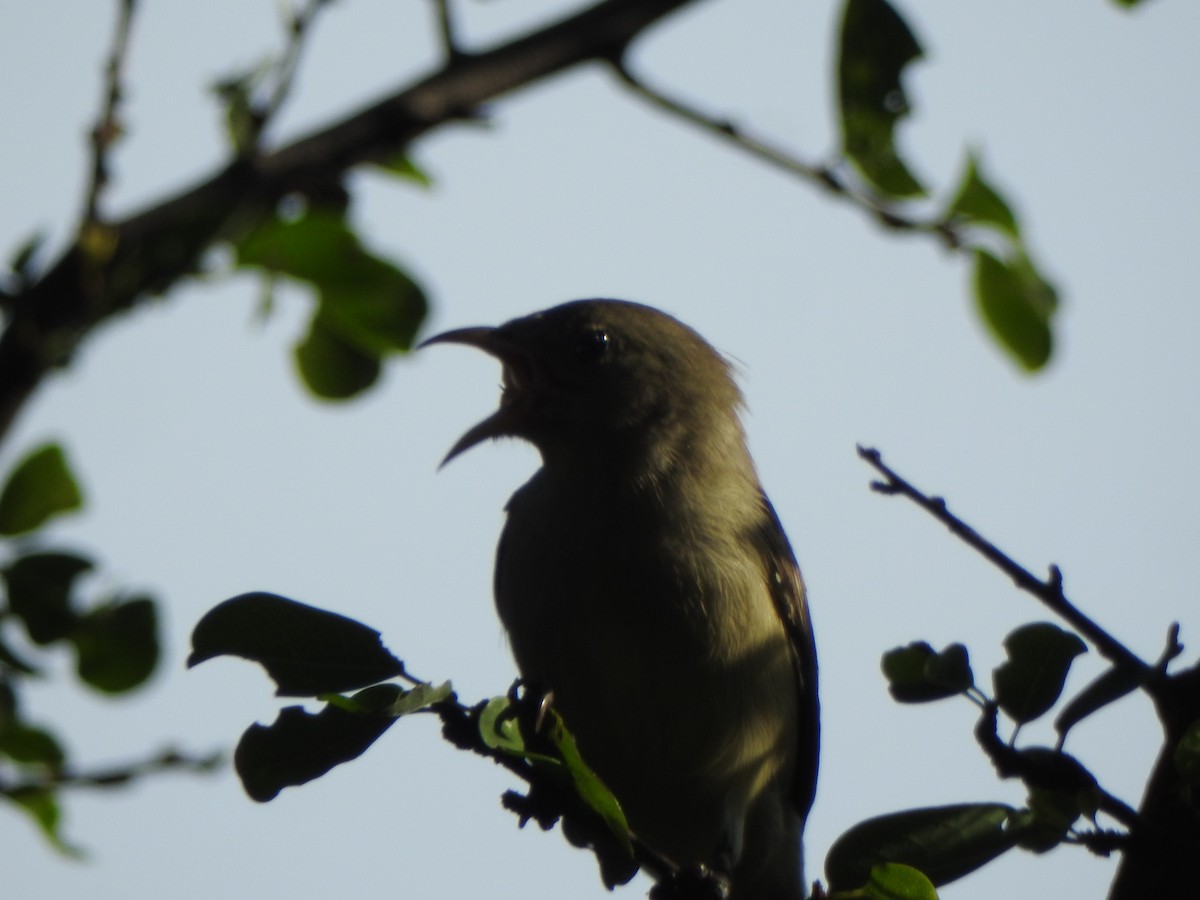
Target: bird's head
<point>605,381</point>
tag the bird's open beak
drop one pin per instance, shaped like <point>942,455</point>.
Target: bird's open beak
<point>518,375</point>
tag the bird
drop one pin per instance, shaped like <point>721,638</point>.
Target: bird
<point>646,583</point>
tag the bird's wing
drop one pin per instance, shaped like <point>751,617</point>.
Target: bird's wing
<point>788,595</point>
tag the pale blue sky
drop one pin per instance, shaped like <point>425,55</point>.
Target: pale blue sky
<point>209,472</point>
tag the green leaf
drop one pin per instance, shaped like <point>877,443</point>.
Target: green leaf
<point>978,202</point>
<point>116,645</point>
<point>875,46</point>
<point>591,789</point>
<point>1017,304</point>
<point>499,728</point>
<point>42,805</point>
<point>1187,755</point>
<point>896,881</point>
<point>944,842</point>
<point>390,699</point>
<point>39,587</point>
<point>39,488</point>
<point>1039,658</point>
<point>300,746</point>
<point>403,167</point>
<point>370,302</point>
<point>307,651</point>
<point>918,674</point>
<point>332,368</point>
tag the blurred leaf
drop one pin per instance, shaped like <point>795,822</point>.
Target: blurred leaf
<point>1110,686</point>
<point>1039,657</point>
<point>39,488</point>
<point>403,167</point>
<point>21,263</point>
<point>117,644</point>
<point>918,674</point>
<point>9,659</point>
<point>896,881</point>
<point>980,203</point>
<point>332,368</point>
<point>28,744</point>
<point>42,805</point>
<point>299,747</point>
<point>945,843</point>
<point>39,593</point>
<point>307,651</point>
<point>875,46</point>
<point>369,301</point>
<point>1187,755</point>
<point>1017,304</point>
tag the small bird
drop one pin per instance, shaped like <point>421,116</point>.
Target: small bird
<point>645,580</point>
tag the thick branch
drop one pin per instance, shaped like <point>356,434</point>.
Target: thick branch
<point>111,267</point>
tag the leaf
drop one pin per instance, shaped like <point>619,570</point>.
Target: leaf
<point>117,645</point>
<point>980,203</point>
<point>42,805</point>
<point>943,842</point>
<point>332,368</point>
<point>1017,304</point>
<point>39,593</point>
<point>404,168</point>
<point>591,789</point>
<point>299,747</point>
<point>875,45</point>
<point>391,699</point>
<point>1186,756</point>
<point>21,264</point>
<point>306,651</point>
<point>39,488</point>
<point>28,744</point>
<point>1039,658</point>
<point>499,728</point>
<point>918,674</point>
<point>896,881</point>
<point>1110,686</point>
<point>370,302</point>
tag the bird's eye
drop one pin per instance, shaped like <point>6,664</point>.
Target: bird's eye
<point>594,344</point>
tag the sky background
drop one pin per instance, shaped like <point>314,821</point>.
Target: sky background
<point>210,472</point>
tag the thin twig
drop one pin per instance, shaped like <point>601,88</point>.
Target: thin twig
<point>1049,592</point>
<point>118,776</point>
<point>448,30</point>
<point>828,177</point>
<point>299,26</point>
<point>108,127</point>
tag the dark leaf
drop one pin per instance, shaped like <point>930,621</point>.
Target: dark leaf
<point>39,488</point>
<point>1039,657</point>
<point>307,651</point>
<point>945,843</point>
<point>1187,755</point>
<point>875,46</point>
<point>918,673</point>
<point>29,744</point>
<point>978,202</point>
<point>117,644</point>
<point>1017,304</point>
<point>39,593</point>
<point>331,367</point>
<point>1109,687</point>
<point>22,260</point>
<point>299,746</point>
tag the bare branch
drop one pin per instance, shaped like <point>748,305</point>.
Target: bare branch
<point>829,177</point>
<point>108,126</point>
<point>1049,592</point>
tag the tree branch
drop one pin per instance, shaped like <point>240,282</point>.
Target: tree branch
<point>109,269</point>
